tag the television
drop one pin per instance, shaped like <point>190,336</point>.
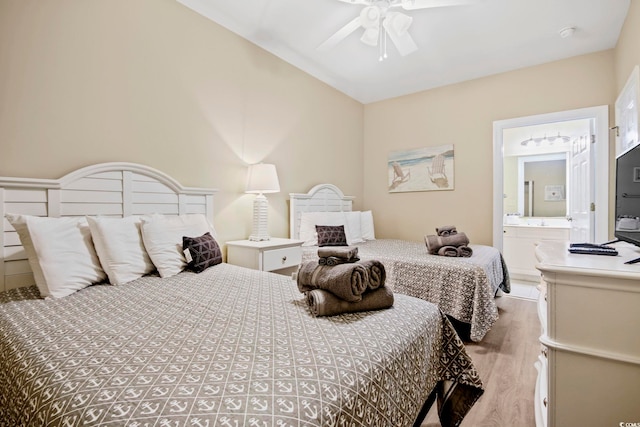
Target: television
<point>627,209</point>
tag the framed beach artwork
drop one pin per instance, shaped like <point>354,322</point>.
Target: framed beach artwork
<point>421,169</point>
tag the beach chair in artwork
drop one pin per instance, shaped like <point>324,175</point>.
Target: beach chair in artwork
<point>399,175</point>
<point>437,172</point>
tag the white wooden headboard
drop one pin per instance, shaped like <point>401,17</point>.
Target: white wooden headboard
<point>321,198</point>
<point>115,189</point>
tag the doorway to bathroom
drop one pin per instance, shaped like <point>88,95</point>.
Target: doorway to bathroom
<point>550,183</point>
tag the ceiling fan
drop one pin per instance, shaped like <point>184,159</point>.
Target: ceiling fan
<point>380,19</point>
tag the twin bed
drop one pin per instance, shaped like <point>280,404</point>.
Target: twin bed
<point>463,288</point>
<point>228,346</point>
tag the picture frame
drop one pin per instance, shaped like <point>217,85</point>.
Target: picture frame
<point>421,169</point>
<point>626,111</point>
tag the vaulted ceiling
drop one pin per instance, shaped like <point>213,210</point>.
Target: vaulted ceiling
<point>454,43</point>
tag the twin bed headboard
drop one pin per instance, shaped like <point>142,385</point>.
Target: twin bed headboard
<point>321,198</point>
<point>114,189</point>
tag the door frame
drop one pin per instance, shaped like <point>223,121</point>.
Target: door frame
<point>600,115</point>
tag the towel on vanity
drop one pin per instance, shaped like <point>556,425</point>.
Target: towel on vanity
<point>346,281</point>
<point>464,251</point>
<point>324,303</point>
<point>448,251</point>
<point>434,243</point>
<point>446,230</point>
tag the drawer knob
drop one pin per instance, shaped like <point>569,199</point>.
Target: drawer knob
<point>544,352</point>
<point>544,402</point>
<point>284,259</point>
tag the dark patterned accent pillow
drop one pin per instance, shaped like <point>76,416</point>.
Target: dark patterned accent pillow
<point>204,250</point>
<point>331,235</point>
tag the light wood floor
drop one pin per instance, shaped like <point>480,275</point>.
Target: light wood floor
<point>504,359</point>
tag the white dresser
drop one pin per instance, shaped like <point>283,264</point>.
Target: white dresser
<point>589,364</point>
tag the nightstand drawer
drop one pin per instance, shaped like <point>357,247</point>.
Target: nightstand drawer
<point>276,259</point>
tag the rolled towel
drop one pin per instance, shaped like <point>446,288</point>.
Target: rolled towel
<point>449,251</point>
<point>446,230</point>
<point>464,251</point>
<point>434,243</point>
<point>346,281</point>
<point>334,260</point>
<point>347,253</point>
<point>377,273</point>
<point>323,303</point>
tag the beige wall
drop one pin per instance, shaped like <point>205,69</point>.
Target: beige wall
<point>463,115</point>
<point>627,52</point>
<point>150,81</point>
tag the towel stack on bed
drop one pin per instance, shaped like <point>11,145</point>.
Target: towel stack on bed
<point>340,283</point>
<point>448,242</point>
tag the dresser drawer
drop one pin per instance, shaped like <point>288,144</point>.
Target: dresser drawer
<point>275,259</point>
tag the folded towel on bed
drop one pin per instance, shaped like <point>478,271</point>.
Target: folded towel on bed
<point>377,273</point>
<point>464,251</point>
<point>324,303</point>
<point>334,260</point>
<point>347,253</point>
<point>448,251</point>
<point>346,281</point>
<point>434,243</point>
<point>446,230</point>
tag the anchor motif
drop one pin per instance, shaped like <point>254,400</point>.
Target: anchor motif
<point>330,392</point>
<point>233,404</point>
<point>285,406</point>
<point>81,399</point>
<point>177,407</point>
<point>236,388</point>
<point>284,387</point>
<point>184,390</point>
<point>260,387</point>
<point>120,410</point>
<point>92,415</point>
<point>226,421</point>
<point>198,422</point>
<point>206,406</point>
<point>132,393</point>
<point>160,391</point>
<point>311,411</point>
<point>253,422</point>
<point>308,388</point>
<point>259,405</point>
<point>149,408</point>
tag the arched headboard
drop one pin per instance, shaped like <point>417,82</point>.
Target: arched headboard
<point>116,189</point>
<point>321,198</point>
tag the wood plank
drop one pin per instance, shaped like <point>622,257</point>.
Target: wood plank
<point>115,175</point>
<point>504,359</point>
<point>95,184</point>
<point>83,196</point>
<point>36,209</point>
<point>149,208</point>
<point>11,238</point>
<point>19,281</point>
<point>82,209</point>
<point>151,187</point>
<point>17,267</point>
<point>14,253</point>
<point>155,198</point>
<point>25,195</point>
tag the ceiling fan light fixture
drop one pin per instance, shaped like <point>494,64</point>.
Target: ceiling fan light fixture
<point>399,22</point>
<point>371,36</point>
<point>370,17</point>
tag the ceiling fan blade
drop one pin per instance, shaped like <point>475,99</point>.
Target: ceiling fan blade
<point>341,34</point>
<point>400,37</point>
<point>426,4</point>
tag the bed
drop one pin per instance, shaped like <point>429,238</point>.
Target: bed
<point>463,288</point>
<point>228,346</point>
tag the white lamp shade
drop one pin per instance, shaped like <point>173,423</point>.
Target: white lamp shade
<point>262,178</point>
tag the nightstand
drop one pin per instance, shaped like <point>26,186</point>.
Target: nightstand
<point>278,255</point>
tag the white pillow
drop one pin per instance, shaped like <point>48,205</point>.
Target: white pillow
<point>118,242</point>
<point>309,220</point>
<point>162,236</point>
<point>353,227</point>
<point>60,253</point>
<point>366,225</point>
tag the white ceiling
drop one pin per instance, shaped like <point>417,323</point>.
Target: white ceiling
<point>454,43</point>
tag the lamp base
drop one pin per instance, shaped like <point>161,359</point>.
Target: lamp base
<point>260,217</point>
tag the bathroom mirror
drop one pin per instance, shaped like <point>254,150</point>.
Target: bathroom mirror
<point>536,186</point>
